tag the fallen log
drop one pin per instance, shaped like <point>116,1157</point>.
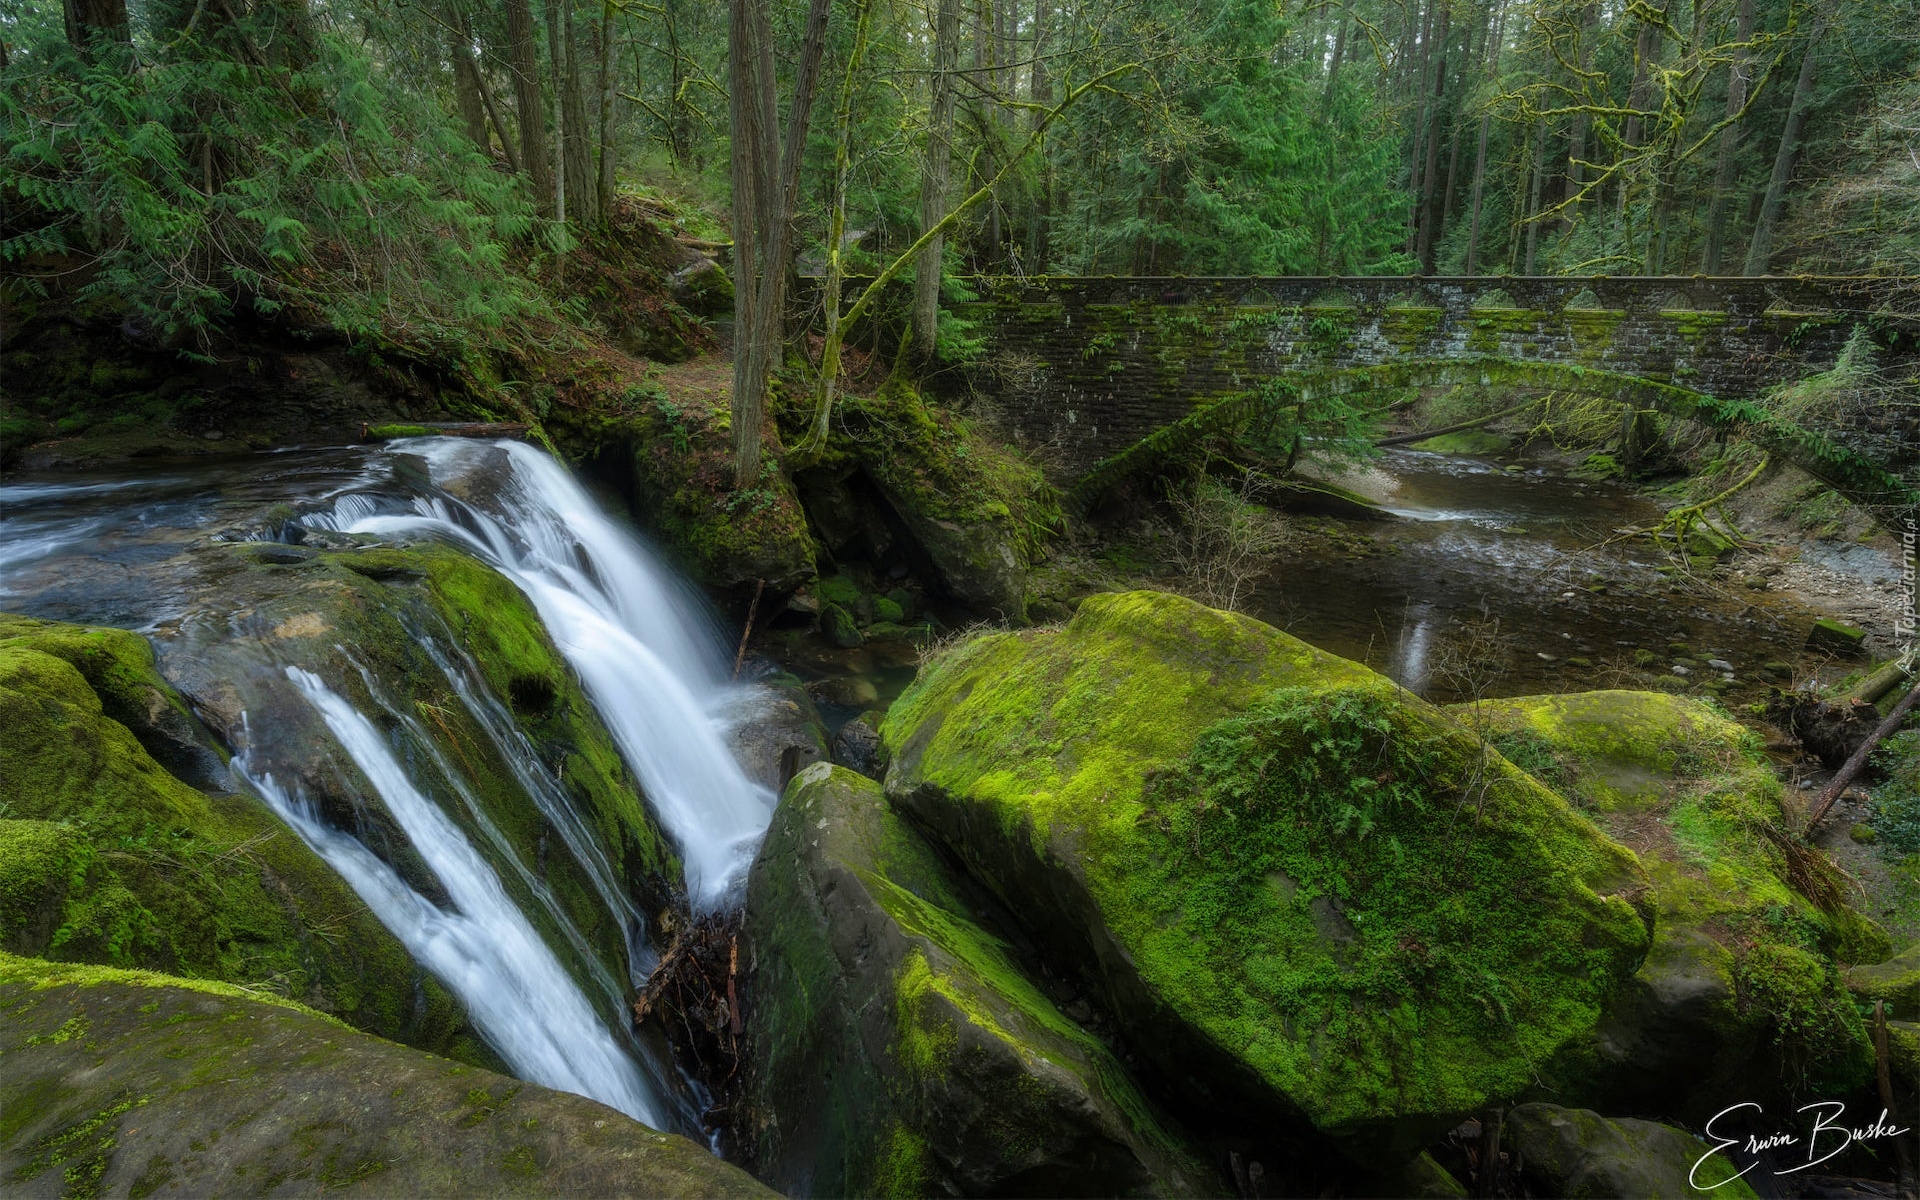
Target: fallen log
<point>1409,438</point>
<point>460,429</point>
<point>1855,764</point>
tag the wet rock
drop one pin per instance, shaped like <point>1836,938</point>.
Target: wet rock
<point>1836,637</point>
<point>1157,741</point>
<point>839,626</point>
<point>125,1082</point>
<point>1579,1154</point>
<point>846,691</point>
<point>779,733</point>
<point>857,746</point>
<point>117,859</point>
<point>1720,664</point>
<point>894,1048</point>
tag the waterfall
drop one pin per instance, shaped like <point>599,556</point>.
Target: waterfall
<point>625,624</point>
<point>482,947</point>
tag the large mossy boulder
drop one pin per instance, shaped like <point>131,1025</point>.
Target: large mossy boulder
<point>108,857</point>
<point>1304,894</point>
<point>1896,983</point>
<point>1741,985</point>
<point>894,1048</point>
<point>979,514</point>
<point>129,1083</point>
<point>452,663</point>
<point>1581,1155</point>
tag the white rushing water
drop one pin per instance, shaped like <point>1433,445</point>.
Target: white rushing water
<point>482,947</point>
<point>632,632</point>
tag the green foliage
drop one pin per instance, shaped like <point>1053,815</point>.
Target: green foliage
<point>1896,802</point>
<point>207,184</point>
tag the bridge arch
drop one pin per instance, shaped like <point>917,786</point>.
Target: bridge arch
<point>1852,475</point>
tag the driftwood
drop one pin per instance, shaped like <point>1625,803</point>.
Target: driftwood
<point>753,610</point>
<point>1858,761</point>
<point>694,994</point>
<point>463,429</point>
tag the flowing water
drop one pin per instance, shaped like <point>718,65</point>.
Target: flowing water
<point>1505,582</point>
<point>119,550</point>
<point>1471,544</point>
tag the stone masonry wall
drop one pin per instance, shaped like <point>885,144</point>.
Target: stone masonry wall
<point>1083,368</point>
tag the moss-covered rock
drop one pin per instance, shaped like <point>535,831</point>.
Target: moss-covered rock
<point>107,857</point>
<point>979,512</point>
<point>1896,982</point>
<point>129,1083</point>
<point>452,661</point>
<point>1303,892</point>
<point>1740,986</point>
<point>668,446</point>
<point>893,1047</point>
<point>1579,1154</point>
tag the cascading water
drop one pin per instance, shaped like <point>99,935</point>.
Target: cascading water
<point>635,636</point>
<point>650,666</point>
<point>483,947</point>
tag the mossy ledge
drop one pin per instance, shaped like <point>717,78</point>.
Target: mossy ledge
<point>130,1083</point>
<point>1742,988</point>
<point>107,857</point>
<point>894,1048</point>
<point>1279,931</point>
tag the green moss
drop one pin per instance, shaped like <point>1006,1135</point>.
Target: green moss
<point>1271,891</point>
<point>399,431</point>
<point>940,467</point>
<point>902,1168</point>
<point>1817,1032</point>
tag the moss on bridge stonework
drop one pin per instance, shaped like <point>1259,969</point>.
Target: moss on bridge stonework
<point>1854,476</point>
<point>1102,371</point>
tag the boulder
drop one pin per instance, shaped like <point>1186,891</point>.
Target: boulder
<point>1739,984</point>
<point>1896,981</point>
<point>1304,894</point>
<point>130,1083</point>
<point>894,1048</point>
<point>108,857</point>
<point>857,746</point>
<point>453,664</point>
<point>1579,1154</point>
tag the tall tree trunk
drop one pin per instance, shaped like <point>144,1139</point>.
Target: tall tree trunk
<point>1416,153</point>
<point>1723,175</point>
<point>1437,116</point>
<point>466,91</point>
<point>1040,88</point>
<point>836,234</point>
<point>936,176</point>
<point>524,62</point>
<point>98,30</point>
<point>1577,132</point>
<point>1760,248</point>
<point>1533,192</point>
<point>479,81</point>
<point>583,188</point>
<point>763,189</point>
<point>557,74</point>
<point>608,158</point>
<point>1646,51</point>
<point>755,190</point>
<point>1333,67</point>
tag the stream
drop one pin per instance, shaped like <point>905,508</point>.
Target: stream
<point>1416,596</point>
<point>1509,582</point>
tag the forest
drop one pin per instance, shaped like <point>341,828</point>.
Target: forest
<point>960,598</point>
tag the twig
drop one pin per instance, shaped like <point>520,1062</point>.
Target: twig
<point>753,609</point>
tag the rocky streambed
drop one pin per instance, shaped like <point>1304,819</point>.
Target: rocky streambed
<point>1155,900</point>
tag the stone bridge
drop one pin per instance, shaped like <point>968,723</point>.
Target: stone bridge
<point>1099,376</point>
